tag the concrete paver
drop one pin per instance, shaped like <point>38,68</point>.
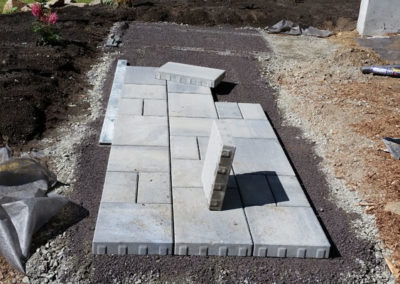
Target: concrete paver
<point>188,126</point>
<point>156,92</point>
<point>287,191</point>
<point>255,190</point>
<point>154,188</point>
<point>155,107</point>
<point>252,111</point>
<point>203,144</point>
<point>186,173</point>
<point>174,87</point>
<point>141,75</point>
<point>120,187</point>
<point>243,128</point>
<point>184,147</point>
<point>131,106</point>
<point>228,110</point>
<point>191,105</point>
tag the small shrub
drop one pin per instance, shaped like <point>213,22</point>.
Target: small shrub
<point>45,24</point>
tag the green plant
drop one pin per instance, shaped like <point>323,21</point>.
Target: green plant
<point>45,24</point>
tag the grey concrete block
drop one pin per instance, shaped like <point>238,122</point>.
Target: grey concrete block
<point>217,166</point>
<point>190,74</point>
<point>174,87</point>
<point>255,190</point>
<point>155,92</point>
<point>141,131</point>
<point>188,126</point>
<point>199,231</point>
<point>155,108</point>
<point>228,110</point>
<point>184,147</point>
<point>203,144</point>
<point>252,111</point>
<point>107,131</point>
<point>286,232</point>
<point>130,106</point>
<point>186,173</point>
<point>139,75</point>
<point>243,128</point>
<point>287,191</point>
<point>260,155</point>
<point>124,228</point>
<point>138,159</point>
<point>191,105</point>
<point>120,187</point>
<point>154,188</point>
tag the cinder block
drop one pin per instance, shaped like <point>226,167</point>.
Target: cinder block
<point>141,131</point>
<point>130,107</point>
<point>138,159</point>
<point>154,188</point>
<point>217,166</point>
<point>286,232</point>
<point>174,87</point>
<point>228,110</point>
<point>188,126</point>
<point>287,191</point>
<point>203,144</point>
<point>260,156</point>
<point>191,105</point>
<point>186,173</point>
<point>199,231</point>
<point>120,187</point>
<point>107,131</point>
<point>124,228</point>
<point>154,92</point>
<point>255,190</point>
<point>184,147</point>
<point>190,74</point>
<point>155,108</point>
<point>252,111</point>
<point>140,75</point>
<point>243,128</point>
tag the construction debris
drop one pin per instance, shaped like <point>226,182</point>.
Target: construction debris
<point>384,70</point>
<point>289,28</point>
<point>393,145</point>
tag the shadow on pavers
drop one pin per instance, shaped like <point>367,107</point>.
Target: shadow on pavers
<point>224,88</point>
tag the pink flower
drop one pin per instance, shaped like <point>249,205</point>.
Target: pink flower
<point>36,10</point>
<point>53,18</point>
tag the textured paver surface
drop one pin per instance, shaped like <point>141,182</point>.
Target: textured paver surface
<point>158,192</point>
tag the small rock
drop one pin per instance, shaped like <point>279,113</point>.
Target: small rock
<point>25,280</point>
<point>10,4</point>
<point>26,8</point>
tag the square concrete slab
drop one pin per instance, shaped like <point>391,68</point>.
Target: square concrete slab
<point>154,188</point>
<point>186,173</point>
<point>188,126</point>
<point>252,111</point>
<point>184,147</point>
<point>107,131</point>
<point>120,187</point>
<point>190,74</point>
<point>260,155</point>
<point>155,92</point>
<point>142,76</point>
<point>286,232</point>
<point>255,190</point>
<point>174,87</point>
<point>155,108</point>
<point>142,229</point>
<point>141,131</point>
<point>130,106</point>
<point>203,144</point>
<point>287,191</point>
<point>199,231</point>
<point>228,110</point>
<point>191,105</point>
<point>241,128</point>
<point>138,159</point>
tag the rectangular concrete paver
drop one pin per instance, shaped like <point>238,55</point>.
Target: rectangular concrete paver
<point>155,107</point>
<point>155,92</point>
<point>191,105</point>
<point>188,126</point>
<point>124,228</point>
<point>203,144</point>
<point>107,131</point>
<point>154,188</point>
<point>287,191</point>
<point>120,187</point>
<point>190,74</point>
<point>286,232</point>
<point>186,173</point>
<point>252,111</point>
<point>228,110</point>
<point>184,147</point>
<point>243,128</point>
<point>131,106</point>
<point>141,131</point>
<point>199,231</point>
<point>142,76</point>
<point>174,87</point>
<point>255,190</point>
<point>138,159</point>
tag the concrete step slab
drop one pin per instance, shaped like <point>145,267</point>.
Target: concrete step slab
<point>190,74</point>
<point>141,131</point>
<point>199,231</point>
<point>184,147</point>
<point>260,156</point>
<point>155,92</point>
<point>188,126</point>
<point>186,173</point>
<point>141,75</point>
<point>130,107</point>
<point>174,87</point>
<point>287,191</point>
<point>124,228</point>
<point>154,188</point>
<point>286,232</point>
<point>120,187</point>
<point>138,159</point>
<point>255,190</point>
<point>155,108</point>
<point>252,111</point>
<point>243,128</point>
<point>191,105</point>
<point>228,110</point>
